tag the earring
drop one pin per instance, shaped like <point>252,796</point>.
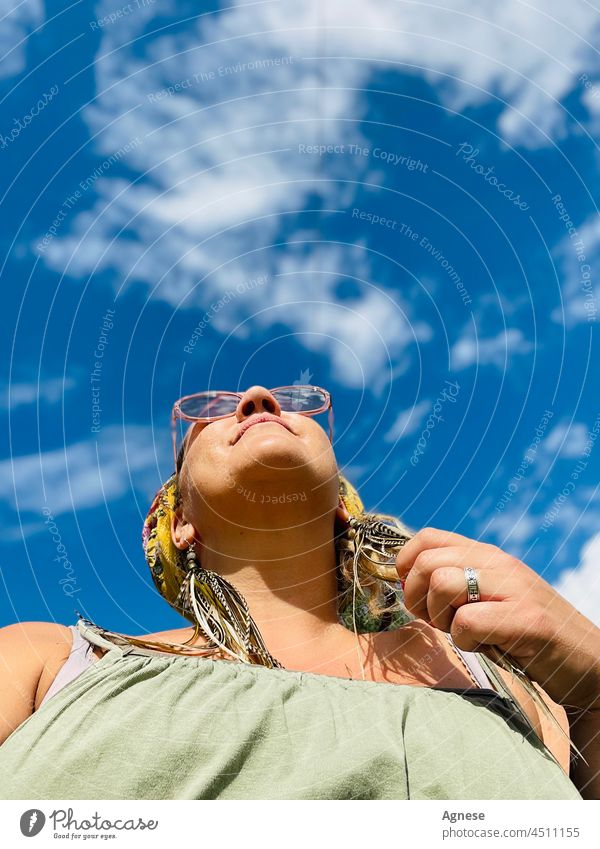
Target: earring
<point>370,536</point>
<point>370,545</point>
<point>190,558</point>
<point>221,613</point>
<point>352,611</point>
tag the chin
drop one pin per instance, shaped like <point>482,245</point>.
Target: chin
<point>273,450</point>
<point>282,461</point>
<point>268,466</point>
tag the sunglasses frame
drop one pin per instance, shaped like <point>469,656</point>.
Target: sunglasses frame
<point>176,412</point>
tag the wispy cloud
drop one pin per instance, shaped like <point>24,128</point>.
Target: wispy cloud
<point>471,350</point>
<point>362,336</point>
<point>545,493</point>
<point>193,187</point>
<point>84,474</point>
<point>578,257</point>
<point>566,440</point>
<point>408,421</point>
<point>17,21</point>
<point>50,391</point>
<point>221,108</point>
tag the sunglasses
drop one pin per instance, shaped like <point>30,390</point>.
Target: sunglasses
<point>213,405</point>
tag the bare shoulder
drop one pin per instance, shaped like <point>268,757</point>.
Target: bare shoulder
<point>32,640</point>
<point>27,649</point>
<point>557,743</point>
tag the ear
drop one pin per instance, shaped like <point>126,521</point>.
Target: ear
<point>183,533</point>
<point>341,513</point>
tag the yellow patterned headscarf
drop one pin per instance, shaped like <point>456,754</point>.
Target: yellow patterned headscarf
<point>167,562</point>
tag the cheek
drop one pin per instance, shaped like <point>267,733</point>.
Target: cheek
<point>320,441</point>
<point>322,452</point>
<point>207,466</point>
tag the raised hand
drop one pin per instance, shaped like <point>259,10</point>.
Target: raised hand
<point>517,612</point>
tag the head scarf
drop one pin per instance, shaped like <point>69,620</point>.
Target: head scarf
<point>167,562</point>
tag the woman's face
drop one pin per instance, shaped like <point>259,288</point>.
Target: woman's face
<point>241,462</point>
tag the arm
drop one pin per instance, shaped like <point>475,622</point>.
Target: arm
<point>544,728</point>
<point>29,652</point>
<point>585,733</point>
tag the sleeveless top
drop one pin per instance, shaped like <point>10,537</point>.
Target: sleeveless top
<point>140,724</point>
<point>82,655</point>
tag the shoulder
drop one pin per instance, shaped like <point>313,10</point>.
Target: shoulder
<point>557,742</point>
<point>34,651</point>
<point>33,639</point>
<point>176,635</point>
<point>27,650</point>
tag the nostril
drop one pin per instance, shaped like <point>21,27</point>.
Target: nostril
<point>269,406</point>
<point>248,408</point>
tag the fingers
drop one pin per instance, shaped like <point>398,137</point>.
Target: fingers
<point>434,538</point>
<point>486,623</point>
<point>447,592</point>
<point>431,568</point>
<point>437,578</point>
<point>426,539</point>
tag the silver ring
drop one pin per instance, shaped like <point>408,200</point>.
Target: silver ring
<point>472,585</point>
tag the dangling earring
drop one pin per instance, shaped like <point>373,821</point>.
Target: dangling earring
<point>374,537</point>
<point>221,613</point>
<point>371,543</point>
<point>348,543</point>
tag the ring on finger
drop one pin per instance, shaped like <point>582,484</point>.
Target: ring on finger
<point>472,585</point>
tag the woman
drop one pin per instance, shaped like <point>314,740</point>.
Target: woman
<point>303,676</point>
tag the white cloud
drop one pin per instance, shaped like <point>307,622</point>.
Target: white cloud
<point>362,336</point>
<point>223,175</point>
<point>210,147</point>
<point>581,585</point>
<point>513,528</point>
<point>408,421</point>
<point>51,391</point>
<point>541,498</point>
<point>84,475</point>
<point>567,440</point>
<point>17,21</point>
<point>591,100</point>
<point>497,350</point>
<point>578,257</point>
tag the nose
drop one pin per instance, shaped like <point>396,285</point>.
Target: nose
<point>257,399</point>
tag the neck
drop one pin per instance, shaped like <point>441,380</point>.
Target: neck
<point>287,574</point>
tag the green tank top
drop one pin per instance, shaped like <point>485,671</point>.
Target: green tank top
<point>138,725</point>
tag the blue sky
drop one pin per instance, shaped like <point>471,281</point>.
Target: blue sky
<point>394,200</point>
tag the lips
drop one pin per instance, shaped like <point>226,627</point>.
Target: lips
<point>262,417</point>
